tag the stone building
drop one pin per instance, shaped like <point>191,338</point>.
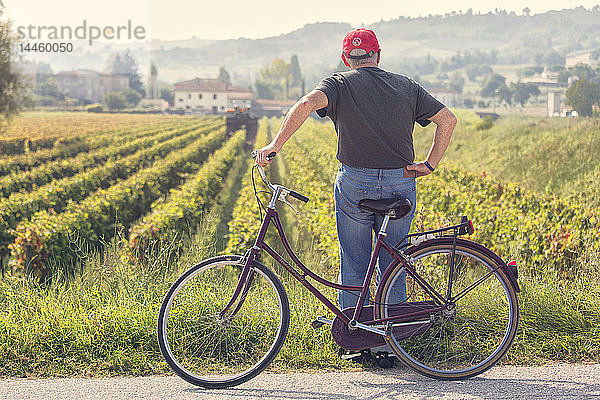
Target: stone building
<point>90,86</point>
<point>210,96</point>
<point>448,97</point>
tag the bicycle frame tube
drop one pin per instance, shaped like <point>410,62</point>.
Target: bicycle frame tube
<point>273,215</point>
<point>413,273</point>
<point>430,290</point>
<point>254,253</point>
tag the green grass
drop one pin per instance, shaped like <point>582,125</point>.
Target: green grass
<point>103,321</point>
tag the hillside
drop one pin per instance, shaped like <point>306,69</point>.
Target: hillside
<point>506,38</point>
<point>554,156</point>
<point>515,39</point>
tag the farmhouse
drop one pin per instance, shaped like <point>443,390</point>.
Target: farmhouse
<point>210,96</point>
<point>88,85</point>
<point>589,57</point>
<point>449,97</point>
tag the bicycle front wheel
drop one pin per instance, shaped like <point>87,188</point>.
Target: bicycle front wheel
<point>470,333</point>
<point>212,351</point>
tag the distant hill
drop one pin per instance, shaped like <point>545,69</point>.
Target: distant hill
<point>508,38</point>
<point>514,39</point>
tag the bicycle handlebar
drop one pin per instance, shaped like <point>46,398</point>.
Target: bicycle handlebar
<point>263,176</point>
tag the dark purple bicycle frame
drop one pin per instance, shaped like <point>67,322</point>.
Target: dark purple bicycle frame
<point>273,215</point>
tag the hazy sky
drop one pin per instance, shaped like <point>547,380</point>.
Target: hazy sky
<point>181,19</point>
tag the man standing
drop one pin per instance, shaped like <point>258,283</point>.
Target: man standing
<point>373,112</point>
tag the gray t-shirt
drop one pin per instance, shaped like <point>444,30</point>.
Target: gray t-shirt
<point>374,112</point>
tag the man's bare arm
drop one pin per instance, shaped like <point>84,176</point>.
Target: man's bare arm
<point>445,121</point>
<point>294,119</point>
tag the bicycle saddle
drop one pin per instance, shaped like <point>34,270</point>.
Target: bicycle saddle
<point>395,208</point>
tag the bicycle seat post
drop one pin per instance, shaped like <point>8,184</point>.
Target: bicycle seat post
<point>384,225</point>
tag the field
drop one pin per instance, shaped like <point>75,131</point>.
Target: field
<point>94,229</point>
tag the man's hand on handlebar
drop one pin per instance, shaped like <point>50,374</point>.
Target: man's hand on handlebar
<point>262,155</point>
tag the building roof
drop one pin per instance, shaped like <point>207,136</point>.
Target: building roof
<point>81,72</point>
<point>581,53</point>
<point>541,81</point>
<point>240,95</point>
<point>274,103</point>
<point>443,90</point>
<point>209,85</point>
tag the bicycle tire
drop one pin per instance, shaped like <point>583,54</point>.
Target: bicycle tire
<point>223,353</point>
<point>465,341</point>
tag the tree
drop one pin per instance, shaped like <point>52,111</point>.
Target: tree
<point>582,96</point>
<point>49,88</point>
<point>132,97</point>
<point>127,65</point>
<point>115,100</point>
<point>294,71</point>
<point>280,80</point>
<point>491,83</point>
<point>551,57</point>
<point>165,92</point>
<point>474,71</point>
<point>523,91</point>
<point>457,81</point>
<point>13,86</point>
<point>505,94</point>
<point>224,76</point>
<point>43,73</point>
<point>153,82</point>
<point>273,77</point>
<point>583,71</point>
<point>264,90</point>
<point>526,11</point>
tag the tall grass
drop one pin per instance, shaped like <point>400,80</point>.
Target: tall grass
<point>103,322</point>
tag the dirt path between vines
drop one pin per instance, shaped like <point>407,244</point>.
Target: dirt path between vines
<point>557,381</point>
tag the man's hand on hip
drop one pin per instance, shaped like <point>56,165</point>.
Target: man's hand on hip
<point>416,170</point>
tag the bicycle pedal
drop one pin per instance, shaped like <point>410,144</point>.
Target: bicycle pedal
<point>316,324</point>
<point>320,321</point>
<point>350,356</point>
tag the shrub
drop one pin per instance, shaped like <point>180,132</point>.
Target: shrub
<point>94,108</point>
<point>485,124</point>
<point>115,100</point>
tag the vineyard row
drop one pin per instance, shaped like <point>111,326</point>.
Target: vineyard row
<point>60,193</point>
<point>543,232</point>
<point>42,130</point>
<point>48,234</point>
<point>62,168</point>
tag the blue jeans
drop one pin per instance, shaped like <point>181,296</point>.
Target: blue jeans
<point>355,226</point>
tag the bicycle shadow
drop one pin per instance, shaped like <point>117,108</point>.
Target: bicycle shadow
<point>406,384</point>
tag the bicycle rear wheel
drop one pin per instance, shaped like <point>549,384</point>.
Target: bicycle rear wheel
<point>471,334</point>
<point>215,352</point>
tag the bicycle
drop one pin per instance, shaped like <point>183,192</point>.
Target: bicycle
<point>225,319</point>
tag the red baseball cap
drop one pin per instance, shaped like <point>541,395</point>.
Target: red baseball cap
<point>360,39</point>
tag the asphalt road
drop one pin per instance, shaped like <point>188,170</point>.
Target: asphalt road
<point>559,381</point>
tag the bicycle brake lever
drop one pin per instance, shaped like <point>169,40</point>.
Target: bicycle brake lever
<point>282,196</point>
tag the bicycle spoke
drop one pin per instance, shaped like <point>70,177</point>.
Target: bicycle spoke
<point>463,336</point>
<point>209,350</point>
